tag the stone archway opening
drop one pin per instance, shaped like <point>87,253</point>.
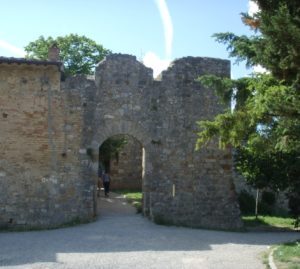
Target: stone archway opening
<point>123,156</point>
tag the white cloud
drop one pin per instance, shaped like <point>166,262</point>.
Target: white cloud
<point>15,51</point>
<point>252,8</point>
<point>153,61</point>
<point>168,26</point>
<point>259,69</point>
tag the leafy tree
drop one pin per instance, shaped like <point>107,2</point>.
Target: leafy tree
<point>265,123</point>
<point>79,54</point>
<point>110,149</point>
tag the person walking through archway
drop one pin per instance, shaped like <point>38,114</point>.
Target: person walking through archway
<point>100,174</point>
<point>106,182</point>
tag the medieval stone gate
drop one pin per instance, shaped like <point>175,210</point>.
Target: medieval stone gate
<point>46,168</point>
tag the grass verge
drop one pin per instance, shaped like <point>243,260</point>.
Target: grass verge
<point>287,255</point>
<point>134,198</point>
<point>269,222</point>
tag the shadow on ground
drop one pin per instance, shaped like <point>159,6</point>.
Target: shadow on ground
<point>119,229</point>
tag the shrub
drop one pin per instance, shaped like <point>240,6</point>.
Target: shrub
<point>247,202</point>
<point>268,198</point>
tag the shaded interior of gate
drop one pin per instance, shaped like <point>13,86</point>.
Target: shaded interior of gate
<point>122,157</point>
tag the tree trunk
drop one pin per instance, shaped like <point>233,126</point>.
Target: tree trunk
<point>256,204</point>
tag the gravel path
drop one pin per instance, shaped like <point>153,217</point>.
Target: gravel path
<point>122,239</point>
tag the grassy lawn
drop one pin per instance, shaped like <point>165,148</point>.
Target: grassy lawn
<point>269,222</point>
<point>133,197</point>
<point>287,256</point>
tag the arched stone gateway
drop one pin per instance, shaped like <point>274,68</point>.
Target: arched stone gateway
<point>47,170</point>
<point>123,156</point>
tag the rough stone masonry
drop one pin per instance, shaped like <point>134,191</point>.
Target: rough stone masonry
<point>51,131</point>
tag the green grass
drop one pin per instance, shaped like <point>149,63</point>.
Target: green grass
<point>134,198</point>
<point>265,258</point>
<point>287,256</point>
<point>269,222</point>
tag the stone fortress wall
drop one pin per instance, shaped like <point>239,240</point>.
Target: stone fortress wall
<point>51,131</point>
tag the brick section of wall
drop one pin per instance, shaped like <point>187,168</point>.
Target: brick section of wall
<point>39,144</point>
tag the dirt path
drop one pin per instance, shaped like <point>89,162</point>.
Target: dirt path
<point>113,205</point>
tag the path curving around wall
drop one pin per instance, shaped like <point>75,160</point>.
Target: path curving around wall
<point>130,241</point>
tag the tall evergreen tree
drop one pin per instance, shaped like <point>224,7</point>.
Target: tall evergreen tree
<point>265,123</point>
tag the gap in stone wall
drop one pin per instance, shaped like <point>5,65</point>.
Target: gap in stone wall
<point>122,157</point>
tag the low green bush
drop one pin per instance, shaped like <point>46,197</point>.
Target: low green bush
<point>266,205</point>
<point>268,198</point>
<point>247,202</point>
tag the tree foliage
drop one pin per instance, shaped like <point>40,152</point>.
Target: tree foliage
<point>265,123</point>
<point>110,149</point>
<point>79,54</point>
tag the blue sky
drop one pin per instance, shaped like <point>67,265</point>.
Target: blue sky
<point>152,30</point>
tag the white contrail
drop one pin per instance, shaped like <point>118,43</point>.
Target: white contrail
<point>168,26</point>
<point>12,49</point>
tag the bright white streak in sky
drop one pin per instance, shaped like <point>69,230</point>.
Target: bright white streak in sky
<point>151,59</point>
<point>17,52</point>
<point>168,26</point>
